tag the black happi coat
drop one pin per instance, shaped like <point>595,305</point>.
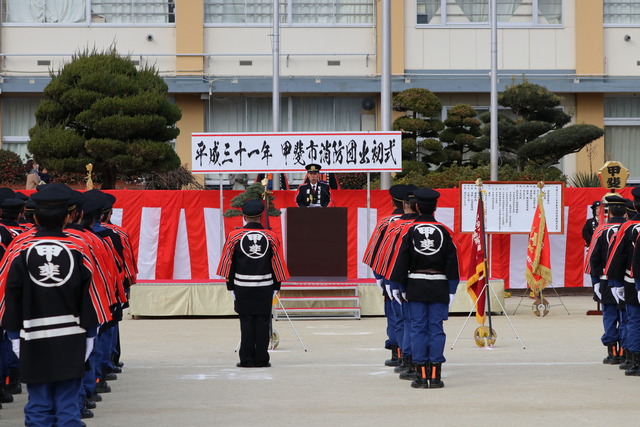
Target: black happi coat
<point>599,254</point>
<point>48,299</point>
<point>428,248</point>
<point>256,268</point>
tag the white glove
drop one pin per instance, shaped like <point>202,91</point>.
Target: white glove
<point>615,295</point>
<point>89,349</point>
<point>404,296</point>
<point>388,288</point>
<point>274,294</point>
<point>596,290</point>
<point>233,295</point>
<point>396,295</point>
<point>379,283</point>
<point>638,295</point>
<point>620,291</point>
<point>15,346</point>
<point>451,297</point>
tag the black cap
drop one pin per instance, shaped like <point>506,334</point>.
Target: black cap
<point>408,193</point>
<point>313,167</point>
<point>635,192</point>
<point>51,198</point>
<point>595,204</point>
<point>397,192</point>
<point>21,196</point>
<point>30,205</point>
<point>426,195</point>
<point>614,200</point>
<point>631,207</point>
<point>110,199</point>
<point>252,208</point>
<point>6,193</point>
<point>93,202</point>
<point>13,204</point>
<point>74,199</point>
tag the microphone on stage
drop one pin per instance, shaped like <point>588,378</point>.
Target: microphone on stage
<point>326,193</point>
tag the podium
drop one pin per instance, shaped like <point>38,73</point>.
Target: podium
<point>317,242</point>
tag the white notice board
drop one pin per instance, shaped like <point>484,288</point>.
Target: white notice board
<point>509,206</point>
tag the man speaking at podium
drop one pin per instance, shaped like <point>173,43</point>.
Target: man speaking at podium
<point>314,193</point>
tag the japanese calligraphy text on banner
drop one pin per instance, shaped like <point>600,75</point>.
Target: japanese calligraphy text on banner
<point>290,152</point>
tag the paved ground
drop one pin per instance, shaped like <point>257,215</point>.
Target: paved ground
<point>182,372</point>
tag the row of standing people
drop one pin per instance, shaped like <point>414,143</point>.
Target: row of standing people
<point>64,280</point>
<point>613,263</point>
<point>414,259</point>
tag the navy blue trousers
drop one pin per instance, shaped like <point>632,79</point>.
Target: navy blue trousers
<point>611,320</point>
<point>427,331</point>
<point>53,404</point>
<point>633,328</point>
<point>406,333</point>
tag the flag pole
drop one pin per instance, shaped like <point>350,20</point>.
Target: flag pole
<point>483,236</point>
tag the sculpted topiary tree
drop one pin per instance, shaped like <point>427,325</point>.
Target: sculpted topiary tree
<point>100,109</point>
<point>420,125</point>
<point>461,136</point>
<point>537,135</point>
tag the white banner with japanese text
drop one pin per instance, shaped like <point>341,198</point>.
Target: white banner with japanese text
<point>290,152</point>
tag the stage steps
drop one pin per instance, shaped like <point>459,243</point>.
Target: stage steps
<point>318,300</point>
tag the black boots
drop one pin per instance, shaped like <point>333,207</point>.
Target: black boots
<point>634,370</point>
<point>395,357</point>
<point>12,384</point>
<point>410,374</point>
<point>625,359</point>
<point>5,397</point>
<point>405,365</point>
<point>613,355</point>
<point>428,376</point>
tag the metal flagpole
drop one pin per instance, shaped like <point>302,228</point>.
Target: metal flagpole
<point>385,82</point>
<point>481,334</point>
<point>493,141</point>
<point>276,79</point>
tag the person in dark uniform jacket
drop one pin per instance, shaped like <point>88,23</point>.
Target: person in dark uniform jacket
<point>314,193</point>
<point>253,264</point>
<point>426,268</point>
<point>51,312</point>
<point>605,293</point>
<point>618,272</point>
<point>591,224</point>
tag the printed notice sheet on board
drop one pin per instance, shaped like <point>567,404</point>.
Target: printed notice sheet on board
<point>509,206</point>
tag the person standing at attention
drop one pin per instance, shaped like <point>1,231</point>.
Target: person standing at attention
<point>253,264</point>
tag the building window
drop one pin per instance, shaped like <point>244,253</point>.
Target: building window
<point>622,132</point>
<point>84,11</point>
<point>44,11</point>
<point>18,116</point>
<point>476,12</point>
<point>133,11</point>
<point>622,12</point>
<point>295,12</point>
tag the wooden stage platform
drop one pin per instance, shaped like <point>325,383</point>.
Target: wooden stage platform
<point>298,295</point>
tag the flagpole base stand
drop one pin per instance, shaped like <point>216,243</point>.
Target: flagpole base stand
<point>596,312</point>
<point>540,307</point>
<point>484,336</point>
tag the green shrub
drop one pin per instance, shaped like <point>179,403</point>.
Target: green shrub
<point>11,168</point>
